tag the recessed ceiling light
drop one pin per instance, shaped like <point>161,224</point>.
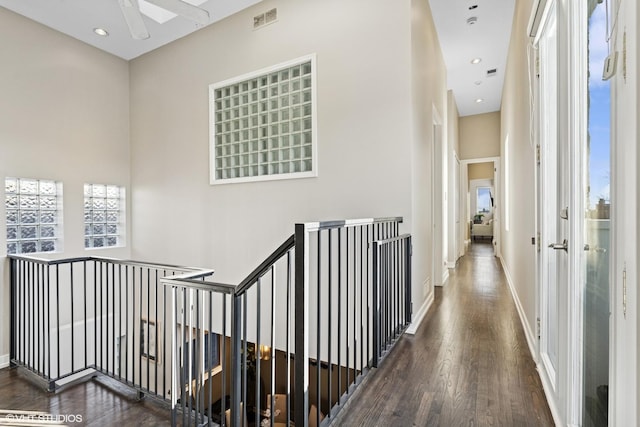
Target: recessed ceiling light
<point>101,32</point>
<point>477,82</point>
<point>479,100</point>
<point>476,60</point>
<point>472,20</point>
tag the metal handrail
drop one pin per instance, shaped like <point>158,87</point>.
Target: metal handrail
<point>325,225</point>
<point>45,261</point>
<point>365,233</point>
<point>264,267</point>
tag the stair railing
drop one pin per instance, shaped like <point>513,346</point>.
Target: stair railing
<point>290,343</point>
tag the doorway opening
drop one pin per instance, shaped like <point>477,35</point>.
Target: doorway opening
<point>479,202</point>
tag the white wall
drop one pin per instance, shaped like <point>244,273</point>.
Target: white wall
<point>453,199</point>
<point>625,217</point>
<point>480,136</point>
<point>429,93</point>
<point>64,115</point>
<point>517,253</point>
<point>376,94</point>
<point>368,132</point>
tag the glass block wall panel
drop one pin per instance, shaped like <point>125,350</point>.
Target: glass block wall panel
<point>33,211</point>
<point>103,215</point>
<point>262,125</point>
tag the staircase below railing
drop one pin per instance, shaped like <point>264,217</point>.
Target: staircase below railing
<point>289,344</point>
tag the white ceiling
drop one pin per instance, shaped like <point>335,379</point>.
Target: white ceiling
<point>487,39</point>
<point>78,18</point>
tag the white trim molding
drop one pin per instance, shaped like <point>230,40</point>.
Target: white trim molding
<point>4,361</point>
<point>445,275</point>
<point>528,332</point>
<point>419,316</point>
<point>548,390</point>
<point>531,341</point>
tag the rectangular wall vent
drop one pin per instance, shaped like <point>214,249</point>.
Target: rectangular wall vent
<point>265,18</point>
<point>271,16</point>
<point>492,72</point>
<point>258,21</point>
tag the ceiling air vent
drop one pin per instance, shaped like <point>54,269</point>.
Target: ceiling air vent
<point>492,72</point>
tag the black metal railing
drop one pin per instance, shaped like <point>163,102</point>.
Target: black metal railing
<point>391,292</point>
<point>308,324</point>
<point>290,343</point>
<point>82,316</point>
<point>335,301</point>
<point>201,364</point>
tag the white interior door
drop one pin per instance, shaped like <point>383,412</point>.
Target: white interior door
<point>573,211</point>
<point>553,202</point>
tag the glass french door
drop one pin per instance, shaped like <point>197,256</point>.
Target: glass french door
<point>597,226</point>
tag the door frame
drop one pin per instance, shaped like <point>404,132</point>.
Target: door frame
<point>571,24</point>
<point>624,364</point>
<point>546,181</point>
<point>465,204</point>
<point>624,383</point>
<point>439,270</point>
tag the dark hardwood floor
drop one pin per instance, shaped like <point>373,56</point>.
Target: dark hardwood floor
<point>92,402</point>
<point>467,365</point>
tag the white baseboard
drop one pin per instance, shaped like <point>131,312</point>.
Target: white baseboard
<point>531,342</point>
<point>528,332</point>
<point>419,316</point>
<point>445,276</point>
<point>548,391</point>
<point>4,360</point>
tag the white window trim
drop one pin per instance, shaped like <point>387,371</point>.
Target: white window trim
<point>314,143</point>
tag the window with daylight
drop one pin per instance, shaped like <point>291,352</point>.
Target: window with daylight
<point>263,124</point>
<point>34,212</point>
<point>484,201</point>
<point>103,215</point>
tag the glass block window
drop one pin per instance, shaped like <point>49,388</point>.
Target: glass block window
<point>33,209</point>
<point>103,215</point>
<point>263,124</point>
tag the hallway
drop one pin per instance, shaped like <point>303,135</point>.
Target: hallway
<point>467,365</point>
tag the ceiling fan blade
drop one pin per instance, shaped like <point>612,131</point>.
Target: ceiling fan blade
<point>184,9</point>
<point>132,16</point>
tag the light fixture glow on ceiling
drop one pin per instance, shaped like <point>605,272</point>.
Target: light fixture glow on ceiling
<point>101,32</point>
<point>476,60</point>
<point>479,100</point>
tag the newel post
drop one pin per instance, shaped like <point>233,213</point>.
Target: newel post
<point>301,390</point>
